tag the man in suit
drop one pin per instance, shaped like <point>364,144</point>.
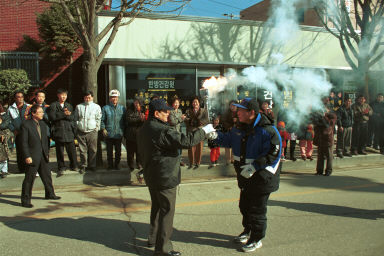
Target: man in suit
<point>35,153</point>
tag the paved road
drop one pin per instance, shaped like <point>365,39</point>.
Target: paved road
<point>309,215</point>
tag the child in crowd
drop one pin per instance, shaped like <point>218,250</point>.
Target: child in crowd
<point>284,137</point>
<point>215,149</point>
<point>5,135</point>
<point>306,143</point>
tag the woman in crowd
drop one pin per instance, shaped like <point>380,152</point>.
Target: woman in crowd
<point>195,118</point>
<point>176,117</point>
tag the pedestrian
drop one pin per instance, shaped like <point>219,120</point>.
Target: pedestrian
<point>256,146</point>
<point>88,115</point>
<point>361,114</point>
<point>16,113</point>
<point>291,128</point>
<point>158,145</point>
<point>306,141</point>
<point>63,120</point>
<point>176,118</point>
<point>324,126</point>
<point>112,127</point>
<point>215,149</point>
<point>374,128</point>
<point>5,135</point>
<point>344,129</point>
<point>35,153</point>
<point>267,110</point>
<point>134,119</point>
<point>229,120</point>
<point>284,137</point>
<point>196,117</point>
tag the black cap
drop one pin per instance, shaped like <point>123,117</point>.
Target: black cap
<point>249,104</point>
<point>158,105</point>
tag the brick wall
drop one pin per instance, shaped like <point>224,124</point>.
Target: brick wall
<point>18,18</point>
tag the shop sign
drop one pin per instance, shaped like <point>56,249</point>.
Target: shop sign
<point>161,84</point>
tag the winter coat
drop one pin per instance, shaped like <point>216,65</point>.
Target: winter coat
<point>344,117</point>
<point>63,127</point>
<point>158,146</point>
<point>324,126</point>
<point>194,120</point>
<point>133,122</point>
<point>361,113</point>
<point>284,136</point>
<point>175,118</point>
<point>113,120</point>
<point>258,144</point>
<point>227,120</point>
<point>88,117</point>
<point>17,118</point>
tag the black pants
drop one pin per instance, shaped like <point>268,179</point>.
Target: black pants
<point>110,144</point>
<point>162,213</point>
<point>71,152</point>
<point>131,151</point>
<point>20,161</point>
<point>324,153</point>
<point>30,175</point>
<point>359,136</point>
<point>253,207</point>
<point>292,145</point>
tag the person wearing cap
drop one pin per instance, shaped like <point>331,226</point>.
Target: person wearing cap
<point>63,130</point>
<point>112,126</point>
<point>158,147</point>
<point>256,146</point>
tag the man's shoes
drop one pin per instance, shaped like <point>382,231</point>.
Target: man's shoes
<point>362,152</point>
<point>196,166</point>
<point>251,246</point>
<point>26,205</point>
<point>82,170</point>
<point>328,173</point>
<point>54,197</point>
<point>171,253</point>
<point>242,238</point>
<point>319,174</point>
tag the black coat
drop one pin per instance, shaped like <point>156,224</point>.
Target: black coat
<point>158,146</point>
<point>32,145</point>
<point>63,127</point>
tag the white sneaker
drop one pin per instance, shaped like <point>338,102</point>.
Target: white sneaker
<point>242,238</point>
<point>252,246</point>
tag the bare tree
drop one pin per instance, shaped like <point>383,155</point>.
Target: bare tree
<point>83,21</point>
<point>359,28</point>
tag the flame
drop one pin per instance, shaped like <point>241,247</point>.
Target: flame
<point>214,84</point>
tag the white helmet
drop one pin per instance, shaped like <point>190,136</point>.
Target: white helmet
<point>114,93</point>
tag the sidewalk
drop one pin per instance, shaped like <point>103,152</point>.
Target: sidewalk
<point>102,177</point>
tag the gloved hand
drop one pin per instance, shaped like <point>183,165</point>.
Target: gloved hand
<point>208,128</point>
<point>247,170</point>
<point>105,132</point>
<point>211,135</point>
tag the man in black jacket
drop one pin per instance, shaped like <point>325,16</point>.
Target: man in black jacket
<point>63,119</point>
<point>35,152</point>
<point>344,129</point>
<point>158,147</point>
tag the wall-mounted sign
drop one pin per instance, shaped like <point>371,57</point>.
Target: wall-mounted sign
<point>161,84</point>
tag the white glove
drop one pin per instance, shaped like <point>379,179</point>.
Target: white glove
<point>211,135</point>
<point>208,128</point>
<point>247,171</point>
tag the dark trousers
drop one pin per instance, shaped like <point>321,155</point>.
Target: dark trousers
<point>344,140</point>
<point>131,147</point>
<point>324,153</point>
<point>292,145</point>
<point>162,213</point>
<point>113,143</point>
<point>20,161</point>
<point>359,136</point>
<point>253,207</point>
<point>71,152</point>
<point>30,174</point>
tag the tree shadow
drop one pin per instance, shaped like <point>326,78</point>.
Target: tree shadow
<point>125,236</point>
<point>332,210</point>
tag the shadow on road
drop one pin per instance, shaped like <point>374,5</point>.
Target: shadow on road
<point>332,210</point>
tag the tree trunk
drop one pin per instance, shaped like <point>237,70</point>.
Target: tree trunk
<point>90,72</point>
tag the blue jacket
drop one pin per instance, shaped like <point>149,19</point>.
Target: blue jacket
<point>16,117</point>
<point>258,144</point>
<point>113,120</point>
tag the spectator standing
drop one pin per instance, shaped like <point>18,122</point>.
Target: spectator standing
<point>306,135</point>
<point>229,120</point>
<point>324,131</point>
<point>5,135</point>
<point>196,117</point>
<point>35,152</point>
<point>344,129</point>
<point>284,137</point>
<point>291,129</point>
<point>361,114</point>
<point>88,116</point>
<point>256,146</point>
<point>63,122</point>
<point>16,112</point>
<point>215,149</point>
<point>134,119</point>
<point>176,118</point>
<point>374,127</point>
<point>159,145</point>
<point>112,126</point>
<point>267,110</point>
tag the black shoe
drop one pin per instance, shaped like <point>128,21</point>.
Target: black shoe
<point>310,158</point>
<point>362,152</point>
<point>293,158</point>
<point>242,238</point>
<point>171,253</point>
<point>82,170</point>
<point>26,205</point>
<point>54,197</point>
<point>150,245</point>
<point>319,174</point>
<point>196,166</point>
<point>347,154</point>
<point>190,166</point>
<point>117,166</point>
<point>60,173</point>
<point>110,168</point>
<point>328,173</point>
<point>339,155</point>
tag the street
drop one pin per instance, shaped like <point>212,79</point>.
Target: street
<point>310,215</point>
